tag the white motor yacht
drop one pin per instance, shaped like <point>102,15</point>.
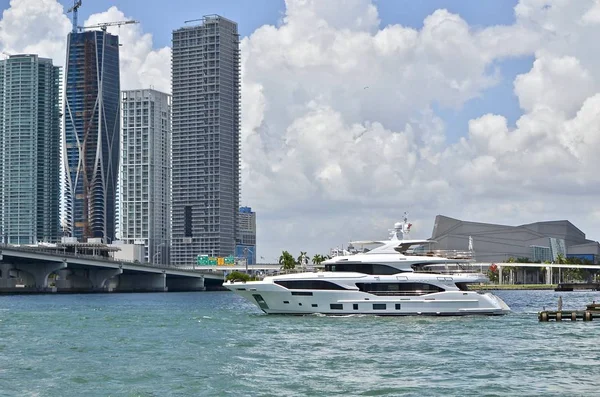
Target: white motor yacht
<point>392,279</point>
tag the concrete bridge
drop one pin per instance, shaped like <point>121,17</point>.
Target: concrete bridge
<point>28,270</point>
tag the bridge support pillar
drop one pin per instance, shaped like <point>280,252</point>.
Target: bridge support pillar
<point>185,283</point>
<point>5,279</point>
<point>100,277</point>
<point>41,272</point>
<point>499,275</point>
<point>145,282</point>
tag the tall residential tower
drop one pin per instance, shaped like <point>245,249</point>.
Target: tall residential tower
<point>29,149</point>
<point>206,139</point>
<point>145,210</point>
<point>91,136</point>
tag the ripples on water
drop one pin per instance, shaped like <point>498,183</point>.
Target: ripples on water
<point>216,343</point>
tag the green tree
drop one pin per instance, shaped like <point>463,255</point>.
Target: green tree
<point>235,275</point>
<point>301,257</point>
<point>507,271</point>
<point>317,259</point>
<point>286,260</point>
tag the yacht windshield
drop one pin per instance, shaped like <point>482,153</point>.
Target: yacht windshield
<point>365,268</point>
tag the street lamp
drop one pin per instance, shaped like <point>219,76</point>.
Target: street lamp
<point>157,252</point>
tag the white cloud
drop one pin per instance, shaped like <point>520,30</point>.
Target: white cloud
<point>560,83</point>
<point>35,27</point>
<point>339,137</point>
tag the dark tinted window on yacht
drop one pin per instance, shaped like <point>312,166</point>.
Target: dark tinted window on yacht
<point>336,306</point>
<point>379,306</point>
<point>403,289</point>
<point>308,284</point>
<point>365,268</point>
<point>302,293</point>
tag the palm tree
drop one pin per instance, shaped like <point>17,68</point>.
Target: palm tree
<point>301,258</point>
<point>318,259</point>
<point>286,260</point>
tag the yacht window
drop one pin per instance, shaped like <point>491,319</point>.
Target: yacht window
<point>365,268</point>
<point>309,284</point>
<point>336,306</point>
<point>398,306</point>
<point>302,293</point>
<point>402,289</point>
<point>462,286</point>
<point>260,300</point>
<point>379,306</point>
<point>355,306</point>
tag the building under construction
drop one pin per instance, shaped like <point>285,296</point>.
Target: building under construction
<point>91,134</point>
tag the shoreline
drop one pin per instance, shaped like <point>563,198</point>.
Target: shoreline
<point>505,287</point>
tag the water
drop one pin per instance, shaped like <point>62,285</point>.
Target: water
<point>217,344</point>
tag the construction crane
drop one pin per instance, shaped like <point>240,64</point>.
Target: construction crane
<point>105,25</point>
<point>76,5</point>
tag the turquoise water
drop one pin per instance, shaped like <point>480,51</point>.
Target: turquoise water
<point>217,344</point>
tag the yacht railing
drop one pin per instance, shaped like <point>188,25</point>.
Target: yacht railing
<point>450,271</point>
<point>400,293</point>
<point>450,254</point>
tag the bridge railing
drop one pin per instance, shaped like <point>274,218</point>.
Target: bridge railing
<point>65,254</point>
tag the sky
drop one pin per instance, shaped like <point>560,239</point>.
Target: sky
<point>355,111</point>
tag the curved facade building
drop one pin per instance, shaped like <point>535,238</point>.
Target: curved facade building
<point>91,135</point>
<point>539,241</point>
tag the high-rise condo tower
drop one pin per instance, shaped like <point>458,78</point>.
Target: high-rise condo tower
<point>206,139</point>
<point>145,197</point>
<point>29,149</point>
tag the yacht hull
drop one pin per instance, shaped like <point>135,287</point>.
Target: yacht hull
<point>272,299</point>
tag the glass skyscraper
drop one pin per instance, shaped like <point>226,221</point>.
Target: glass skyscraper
<point>29,149</point>
<point>206,139</point>
<point>91,135</point>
